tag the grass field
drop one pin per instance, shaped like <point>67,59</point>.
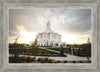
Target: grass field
<point>52,48</point>
<point>24,46</point>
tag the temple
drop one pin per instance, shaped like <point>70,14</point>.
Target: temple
<point>49,38</point>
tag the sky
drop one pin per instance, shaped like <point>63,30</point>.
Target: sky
<point>74,25</point>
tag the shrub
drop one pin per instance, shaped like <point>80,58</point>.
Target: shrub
<point>28,59</point>
<point>34,58</point>
<point>58,61</point>
<point>46,59</point>
<point>50,61</point>
<point>43,61</point>
<point>22,58</point>
<point>39,59</point>
<point>11,59</point>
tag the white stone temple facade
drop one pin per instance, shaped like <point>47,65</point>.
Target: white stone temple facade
<point>49,38</point>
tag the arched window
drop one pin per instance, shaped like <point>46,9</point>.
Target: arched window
<point>41,44</point>
<point>51,44</point>
<point>44,44</point>
<point>63,44</point>
<point>56,44</point>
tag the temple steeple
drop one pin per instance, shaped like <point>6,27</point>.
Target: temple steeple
<point>48,25</point>
<point>48,29</point>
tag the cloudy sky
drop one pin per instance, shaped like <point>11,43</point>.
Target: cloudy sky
<point>73,24</point>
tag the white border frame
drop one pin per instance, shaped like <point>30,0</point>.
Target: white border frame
<point>92,6</point>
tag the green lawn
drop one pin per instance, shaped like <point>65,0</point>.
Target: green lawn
<point>24,46</point>
<point>42,49</point>
<point>52,48</point>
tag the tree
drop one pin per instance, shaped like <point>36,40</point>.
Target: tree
<point>88,49</point>
<point>62,50</point>
<point>15,47</point>
<point>34,46</point>
<point>35,42</point>
<point>74,45</point>
<point>88,41</point>
<point>16,40</point>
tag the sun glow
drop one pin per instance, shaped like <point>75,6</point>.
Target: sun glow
<point>70,38</point>
<point>26,37</point>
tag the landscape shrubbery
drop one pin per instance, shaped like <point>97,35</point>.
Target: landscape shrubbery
<point>22,59</point>
<point>28,59</point>
<point>45,60</point>
<point>21,49</point>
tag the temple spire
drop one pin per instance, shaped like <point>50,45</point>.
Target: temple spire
<point>48,21</point>
<point>48,29</point>
<point>48,25</point>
